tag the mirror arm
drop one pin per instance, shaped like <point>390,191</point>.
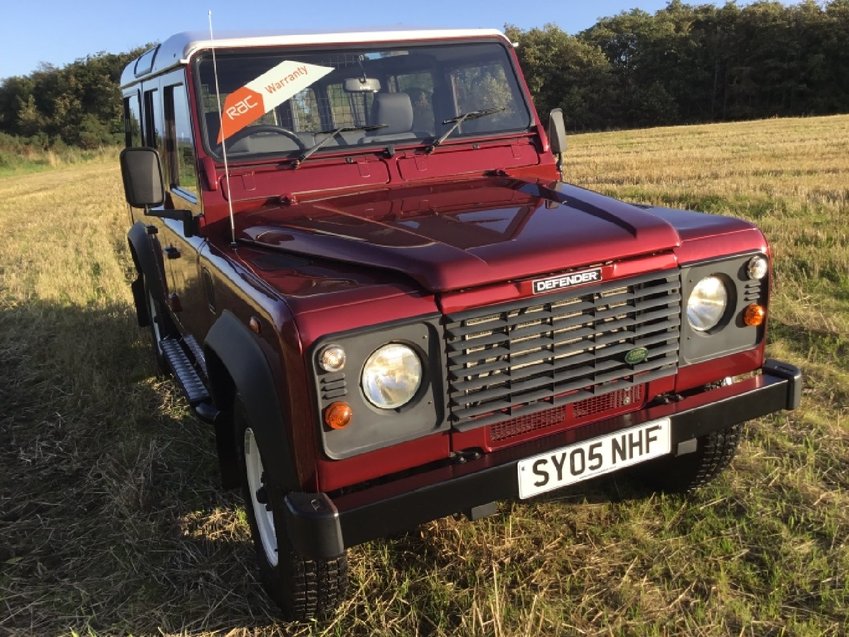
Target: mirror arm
<point>190,222</point>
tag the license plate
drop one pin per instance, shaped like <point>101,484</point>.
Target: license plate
<point>590,458</point>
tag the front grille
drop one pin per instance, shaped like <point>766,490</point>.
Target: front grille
<point>603,404</point>
<point>517,359</point>
<point>608,402</point>
<point>526,424</point>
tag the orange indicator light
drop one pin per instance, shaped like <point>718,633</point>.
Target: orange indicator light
<point>338,415</point>
<point>754,315</point>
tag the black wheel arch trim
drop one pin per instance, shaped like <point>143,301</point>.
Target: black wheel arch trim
<point>148,266</point>
<point>242,356</point>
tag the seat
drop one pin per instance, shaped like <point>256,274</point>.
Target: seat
<point>395,112</point>
<point>423,119</point>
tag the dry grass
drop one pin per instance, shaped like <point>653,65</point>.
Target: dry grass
<point>111,521</point>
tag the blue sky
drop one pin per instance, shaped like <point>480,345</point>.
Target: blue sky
<point>59,31</point>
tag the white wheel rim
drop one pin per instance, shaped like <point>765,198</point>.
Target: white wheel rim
<point>263,516</point>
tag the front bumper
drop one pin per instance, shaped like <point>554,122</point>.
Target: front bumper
<point>321,527</point>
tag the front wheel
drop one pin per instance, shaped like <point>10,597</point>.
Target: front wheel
<point>302,588</point>
<point>680,474</point>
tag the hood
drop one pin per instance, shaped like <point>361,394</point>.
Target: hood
<point>462,235</point>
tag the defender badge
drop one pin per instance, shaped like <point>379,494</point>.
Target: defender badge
<point>566,280</point>
<point>636,356</point>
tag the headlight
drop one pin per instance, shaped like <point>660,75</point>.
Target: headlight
<point>707,303</point>
<point>391,376</point>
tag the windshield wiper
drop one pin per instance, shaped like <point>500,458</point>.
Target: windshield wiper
<point>459,119</point>
<point>330,135</point>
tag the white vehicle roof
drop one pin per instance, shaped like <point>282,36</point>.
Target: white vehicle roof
<point>178,49</point>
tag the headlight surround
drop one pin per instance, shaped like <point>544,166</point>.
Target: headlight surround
<point>707,303</point>
<point>391,376</point>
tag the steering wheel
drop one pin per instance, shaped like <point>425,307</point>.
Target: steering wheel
<point>265,128</point>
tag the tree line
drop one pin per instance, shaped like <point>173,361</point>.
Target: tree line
<point>691,64</point>
<point>683,64</point>
<point>76,105</point>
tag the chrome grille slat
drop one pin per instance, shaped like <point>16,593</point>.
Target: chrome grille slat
<point>519,358</point>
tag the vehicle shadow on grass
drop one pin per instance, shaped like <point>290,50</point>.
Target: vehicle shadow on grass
<point>112,519</point>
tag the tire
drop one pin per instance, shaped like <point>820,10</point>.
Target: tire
<point>682,474</point>
<point>303,589</point>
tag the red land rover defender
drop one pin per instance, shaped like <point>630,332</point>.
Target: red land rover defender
<point>357,257</point>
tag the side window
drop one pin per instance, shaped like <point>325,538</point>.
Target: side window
<point>152,120</point>
<point>132,121</point>
<point>179,147</point>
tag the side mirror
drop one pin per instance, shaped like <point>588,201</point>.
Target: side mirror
<point>144,187</point>
<point>557,136</point>
<point>141,171</point>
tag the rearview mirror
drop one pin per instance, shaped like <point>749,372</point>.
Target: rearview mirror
<point>361,85</point>
<point>557,137</point>
<point>141,171</point>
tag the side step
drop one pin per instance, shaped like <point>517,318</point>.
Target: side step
<point>184,372</point>
<point>197,352</point>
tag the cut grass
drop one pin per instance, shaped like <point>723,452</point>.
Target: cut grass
<point>111,520</point>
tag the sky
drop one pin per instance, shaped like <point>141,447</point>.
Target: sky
<point>58,32</point>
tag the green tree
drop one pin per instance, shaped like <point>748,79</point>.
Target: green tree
<point>79,104</point>
<point>562,71</point>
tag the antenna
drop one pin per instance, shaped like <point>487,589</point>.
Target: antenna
<point>233,243</point>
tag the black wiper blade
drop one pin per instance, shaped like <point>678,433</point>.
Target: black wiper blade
<point>459,119</point>
<point>330,135</point>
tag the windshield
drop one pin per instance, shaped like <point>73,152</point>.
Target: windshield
<point>296,104</point>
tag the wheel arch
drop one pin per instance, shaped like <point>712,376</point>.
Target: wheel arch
<point>147,267</point>
<point>238,366</point>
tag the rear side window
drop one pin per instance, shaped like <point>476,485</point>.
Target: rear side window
<point>179,144</point>
<point>152,120</point>
<point>132,121</point>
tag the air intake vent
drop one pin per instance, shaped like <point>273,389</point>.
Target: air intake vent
<point>333,386</point>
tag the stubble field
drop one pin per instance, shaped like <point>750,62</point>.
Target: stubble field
<point>112,522</point>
